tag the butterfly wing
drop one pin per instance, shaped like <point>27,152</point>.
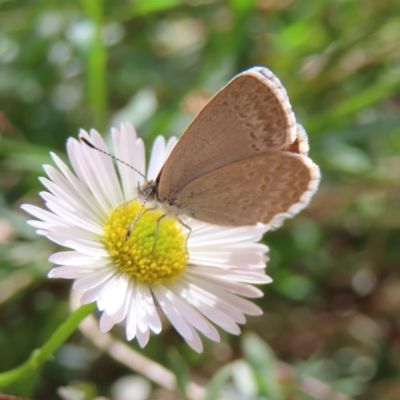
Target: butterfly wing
<point>249,116</point>
<point>264,188</point>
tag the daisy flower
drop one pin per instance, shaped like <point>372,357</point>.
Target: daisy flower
<point>197,281</point>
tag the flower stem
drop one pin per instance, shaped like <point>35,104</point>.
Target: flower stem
<point>39,356</point>
<point>96,64</point>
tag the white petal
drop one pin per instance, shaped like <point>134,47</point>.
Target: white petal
<point>217,257</point>
<point>212,235</point>
<point>156,158</point>
<point>131,151</point>
<point>70,272</point>
<point>212,240</point>
<point>44,215</point>
<point>113,294</point>
<point>246,247</point>
<point>94,279</point>
<point>229,299</point>
<point>211,309</point>
<point>240,274</point>
<point>106,322</point>
<point>65,236</point>
<point>80,187</point>
<point>146,302</point>
<point>61,191</point>
<point>173,293</point>
<point>72,258</point>
<point>143,337</point>
<point>42,225</point>
<point>227,309</point>
<point>232,258</point>
<point>106,172</point>
<point>245,306</point>
<point>219,318</point>
<point>120,314</point>
<point>249,277</point>
<point>195,342</point>
<point>141,314</point>
<point>172,141</point>
<point>239,288</point>
<point>42,232</point>
<point>74,219</point>
<point>198,261</point>
<point>89,250</point>
<point>176,320</point>
<point>131,319</point>
<point>92,295</point>
<point>82,198</point>
<point>85,168</point>
<point>73,232</point>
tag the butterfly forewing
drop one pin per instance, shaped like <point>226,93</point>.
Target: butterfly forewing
<point>250,116</point>
<point>264,188</point>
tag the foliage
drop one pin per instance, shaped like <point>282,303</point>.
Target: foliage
<point>332,312</point>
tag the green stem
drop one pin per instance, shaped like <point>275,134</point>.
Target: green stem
<point>96,65</point>
<point>39,356</point>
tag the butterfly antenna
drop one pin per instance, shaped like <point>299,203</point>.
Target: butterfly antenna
<point>130,227</point>
<point>82,139</point>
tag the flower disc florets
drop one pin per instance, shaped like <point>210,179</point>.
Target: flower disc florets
<point>155,251</point>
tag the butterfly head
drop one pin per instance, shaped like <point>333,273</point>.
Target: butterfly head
<point>148,191</point>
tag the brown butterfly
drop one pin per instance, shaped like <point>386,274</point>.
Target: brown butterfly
<point>243,159</point>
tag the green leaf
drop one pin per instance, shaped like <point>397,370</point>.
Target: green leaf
<point>78,390</point>
<point>142,7</point>
<point>375,92</point>
<point>217,382</point>
<point>357,133</point>
<point>244,379</point>
<point>242,7</point>
<point>344,157</point>
<point>24,156</point>
<point>178,366</point>
<point>295,287</point>
<point>263,362</point>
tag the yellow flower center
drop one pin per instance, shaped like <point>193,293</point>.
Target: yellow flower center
<point>147,255</point>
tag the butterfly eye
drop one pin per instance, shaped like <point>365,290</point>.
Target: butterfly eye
<point>149,190</point>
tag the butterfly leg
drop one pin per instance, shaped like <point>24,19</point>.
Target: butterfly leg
<point>149,192</point>
<point>157,230</point>
<point>138,216</point>
<point>187,237</point>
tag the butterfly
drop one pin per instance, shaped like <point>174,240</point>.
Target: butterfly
<point>242,160</point>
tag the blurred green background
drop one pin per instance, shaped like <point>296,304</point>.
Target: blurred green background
<point>332,314</point>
